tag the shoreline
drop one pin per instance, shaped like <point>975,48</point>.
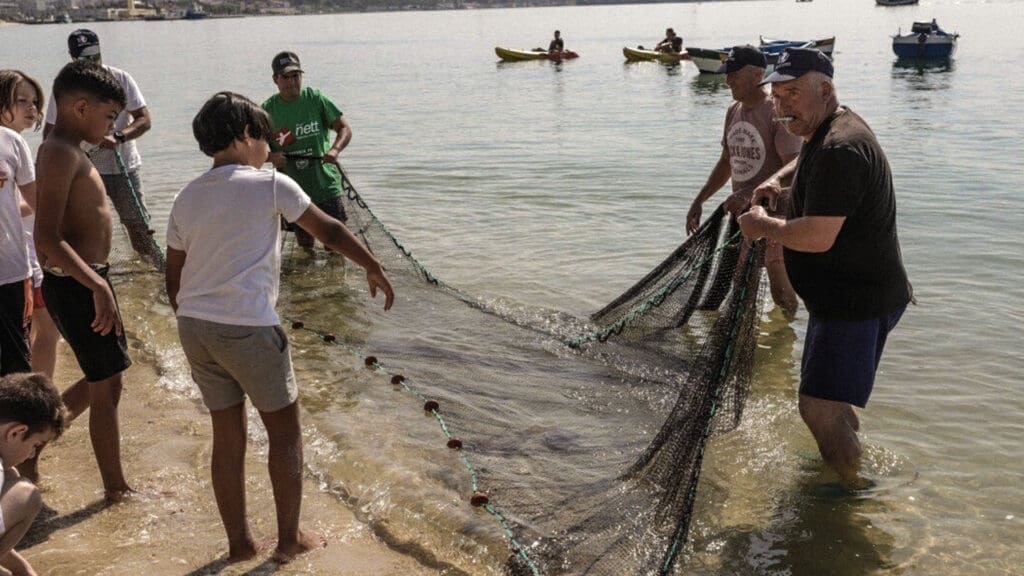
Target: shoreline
<point>171,527</point>
<point>376,9</point>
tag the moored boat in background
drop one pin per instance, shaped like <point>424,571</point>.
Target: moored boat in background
<point>708,61</point>
<point>772,46</point>
<point>195,12</point>
<point>926,40</point>
<point>895,2</point>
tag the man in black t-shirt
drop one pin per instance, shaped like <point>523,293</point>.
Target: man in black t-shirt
<point>671,43</point>
<point>841,250</point>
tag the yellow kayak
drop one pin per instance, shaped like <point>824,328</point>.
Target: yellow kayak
<point>637,55</point>
<point>511,55</point>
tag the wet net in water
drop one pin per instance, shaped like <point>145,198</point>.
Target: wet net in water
<point>583,438</point>
<point>138,249</point>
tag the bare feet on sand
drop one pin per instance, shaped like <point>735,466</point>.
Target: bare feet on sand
<point>118,495</point>
<point>305,543</point>
<point>247,551</point>
<point>128,494</point>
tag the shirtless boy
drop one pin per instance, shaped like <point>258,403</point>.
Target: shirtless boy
<point>73,234</point>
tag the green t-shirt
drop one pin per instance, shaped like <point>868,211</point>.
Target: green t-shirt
<point>304,127</point>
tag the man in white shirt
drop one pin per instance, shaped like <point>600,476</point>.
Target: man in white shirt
<point>117,158</point>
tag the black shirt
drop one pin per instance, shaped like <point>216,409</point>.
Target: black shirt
<point>556,44</point>
<point>677,43</point>
<point>842,171</point>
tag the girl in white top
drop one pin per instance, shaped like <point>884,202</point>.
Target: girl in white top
<point>16,171</point>
<point>21,98</point>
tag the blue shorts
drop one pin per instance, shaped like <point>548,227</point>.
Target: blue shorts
<point>841,357</point>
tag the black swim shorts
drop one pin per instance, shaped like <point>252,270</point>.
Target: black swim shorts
<point>14,350</point>
<point>71,306</point>
<point>333,207</point>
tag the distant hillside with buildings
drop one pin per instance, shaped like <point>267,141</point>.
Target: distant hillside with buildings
<point>43,11</point>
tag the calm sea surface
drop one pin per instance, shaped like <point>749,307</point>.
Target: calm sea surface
<point>556,187</point>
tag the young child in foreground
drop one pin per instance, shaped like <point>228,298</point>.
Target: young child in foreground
<point>73,234</point>
<point>223,268</point>
<point>31,414</point>
<point>21,99</point>
<point>17,177</point>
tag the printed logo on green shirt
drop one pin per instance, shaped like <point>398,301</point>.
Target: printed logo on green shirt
<point>284,137</point>
<point>304,130</point>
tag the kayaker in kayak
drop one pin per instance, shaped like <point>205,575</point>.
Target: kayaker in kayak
<point>671,43</point>
<point>557,44</point>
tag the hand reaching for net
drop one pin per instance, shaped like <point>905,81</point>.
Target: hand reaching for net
<point>769,190</point>
<point>375,278</point>
<point>693,217</point>
<point>736,203</point>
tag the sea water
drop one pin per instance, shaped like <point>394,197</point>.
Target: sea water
<point>555,187</point>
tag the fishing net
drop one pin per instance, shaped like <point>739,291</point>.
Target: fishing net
<point>578,440</point>
<point>138,250</point>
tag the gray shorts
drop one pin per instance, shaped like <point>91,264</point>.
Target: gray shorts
<point>231,362</point>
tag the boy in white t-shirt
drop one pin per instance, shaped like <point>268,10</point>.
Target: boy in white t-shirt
<point>223,268</point>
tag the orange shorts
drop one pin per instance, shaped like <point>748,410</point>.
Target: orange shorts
<point>37,298</point>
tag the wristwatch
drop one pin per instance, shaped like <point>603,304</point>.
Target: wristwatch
<point>119,136</point>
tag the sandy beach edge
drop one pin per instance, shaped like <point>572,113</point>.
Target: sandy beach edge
<point>172,526</point>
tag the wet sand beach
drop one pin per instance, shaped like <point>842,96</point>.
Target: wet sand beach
<point>171,527</point>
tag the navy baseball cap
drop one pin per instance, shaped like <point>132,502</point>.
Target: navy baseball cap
<point>795,62</point>
<point>741,56</point>
<point>83,42</point>
<point>286,62</point>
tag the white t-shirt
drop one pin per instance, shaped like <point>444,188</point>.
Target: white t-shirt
<point>756,144</point>
<point>28,224</point>
<point>16,169</point>
<point>102,158</point>
<point>3,525</point>
<point>227,222</point>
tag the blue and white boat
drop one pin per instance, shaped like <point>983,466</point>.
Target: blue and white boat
<point>775,47</point>
<point>708,61</point>
<point>925,41</point>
